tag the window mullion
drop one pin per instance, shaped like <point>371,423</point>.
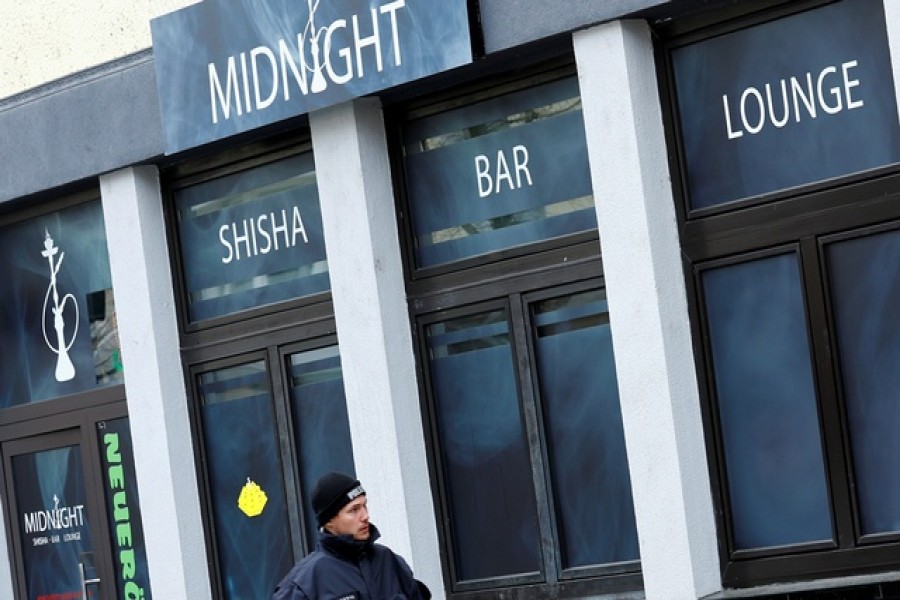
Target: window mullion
<point>278,377</point>
<point>521,339</point>
<point>827,384</point>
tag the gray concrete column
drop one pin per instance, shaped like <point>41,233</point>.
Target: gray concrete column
<point>648,311</point>
<point>154,385</point>
<point>892,19</point>
<point>364,262</point>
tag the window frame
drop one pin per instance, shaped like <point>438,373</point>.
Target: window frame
<point>270,333</point>
<point>274,350</point>
<point>808,218</point>
<point>200,170</point>
<point>479,91</point>
<point>17,214</point>
<point>510,279</point>
<point>596,579</point>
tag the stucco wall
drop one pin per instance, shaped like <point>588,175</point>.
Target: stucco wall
<point>41,41</point>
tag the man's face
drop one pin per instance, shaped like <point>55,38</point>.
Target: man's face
<point>353,520</point>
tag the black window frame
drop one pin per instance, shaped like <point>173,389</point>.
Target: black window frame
<point>274,350</point>
<point>270,333</point>
<point>803,219</point>
<point>510,279</point>
<point>63,415</point>
<point>20,212</point>
<point>199,170</point>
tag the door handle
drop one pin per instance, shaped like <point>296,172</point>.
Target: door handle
<point>85,582</point>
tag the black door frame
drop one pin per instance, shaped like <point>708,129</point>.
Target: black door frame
<point>54,424</point>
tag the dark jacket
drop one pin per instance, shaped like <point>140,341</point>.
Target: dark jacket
<point>342,568</point>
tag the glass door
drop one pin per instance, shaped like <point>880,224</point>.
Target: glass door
<point>72,510</point>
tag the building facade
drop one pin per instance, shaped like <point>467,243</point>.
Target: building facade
<point>654,357</point>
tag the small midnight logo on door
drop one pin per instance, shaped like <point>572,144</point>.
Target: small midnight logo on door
<point>59,341</point>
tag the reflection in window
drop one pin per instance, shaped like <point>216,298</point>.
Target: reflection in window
<point>321,425</point>
<point>767,403</point>
<point>585,439</point>
<point>486,128</point>
<point>493,515</point>
<point>252,238</point>
<point>865,284</point>
<point>488,176</point>
<point>243,462</point>
<point>105,337</point>
<point>56,311</point>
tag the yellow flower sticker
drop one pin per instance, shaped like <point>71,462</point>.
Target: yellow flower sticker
<point>252,500</point>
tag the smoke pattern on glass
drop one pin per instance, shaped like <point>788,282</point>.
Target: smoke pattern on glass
<point>321,425</point>
<point>46,481</point>
<point>252,238</point>
<point>431,37</point>
<point>88,317</point>
<point>767,403</point>
<point>804,150</point>
<point>864,276</point>
<point>584,435</point>
<point>241,444</point>
<point>498,174</point>
<point>490,494</point>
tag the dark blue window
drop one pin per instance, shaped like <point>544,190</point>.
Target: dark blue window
<point>242,457</point>
<point>491,451</point>
<point>585,440</point>
<point>57,316</point>
<point>493,514</point>
<point>45,482</point>
<point>252,238</point>
<point>321,427</point>
<point>779,104</point>
<point>499,174</point>
<point>245,458</point>
<point>865,284</point>
<point>767,403</point>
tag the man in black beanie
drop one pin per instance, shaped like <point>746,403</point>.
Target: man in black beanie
<point>347,564</point>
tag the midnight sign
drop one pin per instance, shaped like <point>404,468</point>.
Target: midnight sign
<point>225,67</point>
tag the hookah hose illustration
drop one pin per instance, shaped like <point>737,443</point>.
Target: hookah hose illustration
<point>65,370</point>
<point>318,82</point>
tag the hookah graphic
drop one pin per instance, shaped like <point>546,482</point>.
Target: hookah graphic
<point>318,82</point>
<point>65,370</point>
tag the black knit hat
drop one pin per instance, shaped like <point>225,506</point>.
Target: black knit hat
<point>333,492</point>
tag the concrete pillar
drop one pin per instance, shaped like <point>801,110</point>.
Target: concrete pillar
<point>648,311</point>
<point>373,328</point>
<point>154,386</point>
<point>892,19</point>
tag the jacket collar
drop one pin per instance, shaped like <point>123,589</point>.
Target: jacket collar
<point>344,546</point>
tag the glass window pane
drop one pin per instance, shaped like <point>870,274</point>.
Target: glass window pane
<point>252,238</point>
<point>245,480</point>
<point>57,315</point>
<point>321,426</point>
<point>123,509</point>
<point>585,440</point>
<point>767,403</point>
<point>498,174</point>
<point>865,284</point>
<point>493,514</point>
<point>55,525</point>
<point>760,110</point>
